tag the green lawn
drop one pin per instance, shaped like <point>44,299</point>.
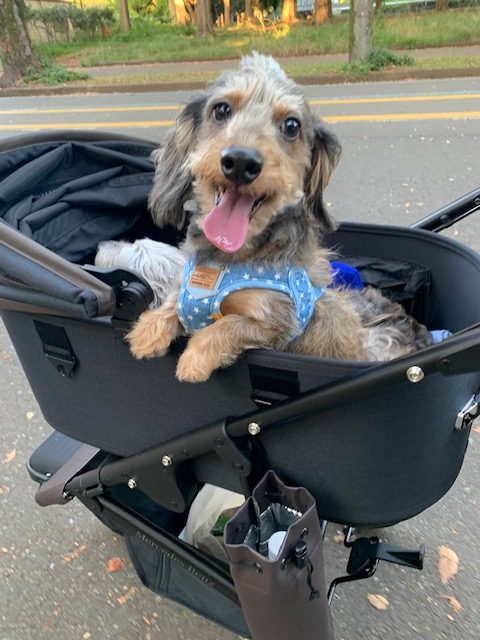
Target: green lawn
<point>154,42</point>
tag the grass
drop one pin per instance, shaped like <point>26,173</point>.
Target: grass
<point>339,70</point>
<point>152,42</point>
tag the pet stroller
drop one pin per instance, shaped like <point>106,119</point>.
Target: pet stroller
<point>373,443</point>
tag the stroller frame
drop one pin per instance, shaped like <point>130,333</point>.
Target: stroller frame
<point>165,476</point>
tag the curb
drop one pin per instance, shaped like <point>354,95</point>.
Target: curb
<point>147,87</point>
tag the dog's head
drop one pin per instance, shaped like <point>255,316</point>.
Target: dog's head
<point>249,151</point>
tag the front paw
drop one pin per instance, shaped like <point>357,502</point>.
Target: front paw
<point>148,339</point>
<point>191,368</point>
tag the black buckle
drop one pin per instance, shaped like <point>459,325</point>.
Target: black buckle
<point>56,347</point>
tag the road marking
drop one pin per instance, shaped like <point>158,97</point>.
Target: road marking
<point>175,107</point>
<point>161,107</point>
<point>386,99</point>
<point>403,117</point>
<point>379,117</point>
<point>88,125</point>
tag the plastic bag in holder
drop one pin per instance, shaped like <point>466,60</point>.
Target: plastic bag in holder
<point>282,597</point>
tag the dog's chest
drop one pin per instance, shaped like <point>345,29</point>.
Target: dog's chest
<point>205,286</point>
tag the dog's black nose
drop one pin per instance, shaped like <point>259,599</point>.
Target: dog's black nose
<point>241,165</point>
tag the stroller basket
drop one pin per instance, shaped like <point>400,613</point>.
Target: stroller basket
<point>373,443</point>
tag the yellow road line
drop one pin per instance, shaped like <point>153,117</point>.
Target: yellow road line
<point>174,107</point>
<point>378,117</point>
<point>161,107</point>
<point>386,99</point>
<point>403,117</point>
<point>88,125</point>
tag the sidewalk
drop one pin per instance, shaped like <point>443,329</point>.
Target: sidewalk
<point>147,77</point>
<point>220,65</point>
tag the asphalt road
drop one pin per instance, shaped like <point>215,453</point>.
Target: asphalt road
<point>409,148</point>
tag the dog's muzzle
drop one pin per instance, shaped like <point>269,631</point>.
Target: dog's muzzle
<point>241,165</point>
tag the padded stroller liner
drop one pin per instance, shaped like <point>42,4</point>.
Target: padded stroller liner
<point>70,195</point>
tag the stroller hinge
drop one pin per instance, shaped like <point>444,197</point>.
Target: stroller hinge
<point>365,555</point>
<point>54,490</point>
<point>229,451</point>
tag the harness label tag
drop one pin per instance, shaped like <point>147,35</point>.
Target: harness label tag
<point>205,277</point>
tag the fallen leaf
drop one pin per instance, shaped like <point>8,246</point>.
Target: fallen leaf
<point>10,456</point>
<point>73,555</point>
<point>30,415</point>
<point>339,538</point>
<point>126,596</point>
<point>6,356</point>
<point>476,429</point>
<point>378,602</point>
<point>454,603</point>
<point>447,563</point>
<point>87,635</point>
<point>115,564</point>
<point>451,618</point>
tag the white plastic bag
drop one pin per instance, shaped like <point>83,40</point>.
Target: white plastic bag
<point>210,503</point>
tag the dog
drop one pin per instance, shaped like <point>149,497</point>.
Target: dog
<point>255,160</point>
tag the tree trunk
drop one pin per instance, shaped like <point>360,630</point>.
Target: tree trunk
<point>441,5</point>
<point>227,19</point>
<point>361,30</point>
<point>124,16</point>
<point>16,51</point>
<point>321,11</point>
<point>248,10</point>
<point>178,12</point>
<point>203,17</point>
<point>288,12</point>
<point>378,5</point>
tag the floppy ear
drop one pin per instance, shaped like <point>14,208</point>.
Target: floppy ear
<point>172,184</point>
<point>325,155</point>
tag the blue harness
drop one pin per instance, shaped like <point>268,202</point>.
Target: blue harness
<point>205,286</point>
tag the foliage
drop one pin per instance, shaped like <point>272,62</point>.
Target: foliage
<point>150,41</point>
<point>53,74</point>
<point>60,21</point>
<point>378,59</point>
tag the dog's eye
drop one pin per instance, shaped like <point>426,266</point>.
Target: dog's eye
<point>221,111</point>
<point>291,128</point>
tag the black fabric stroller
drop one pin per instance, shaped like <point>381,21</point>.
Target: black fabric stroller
<point>365,439</point>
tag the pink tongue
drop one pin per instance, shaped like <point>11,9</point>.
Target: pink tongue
<point>226,226</point>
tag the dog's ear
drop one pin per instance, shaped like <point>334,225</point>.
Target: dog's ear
<point>172,184</point>
<point>325,155</point>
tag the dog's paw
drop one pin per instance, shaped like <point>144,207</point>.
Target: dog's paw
<point>192,369</point>
<point>148,339</point>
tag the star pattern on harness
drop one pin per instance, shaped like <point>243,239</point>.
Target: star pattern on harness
<point>200,306</point>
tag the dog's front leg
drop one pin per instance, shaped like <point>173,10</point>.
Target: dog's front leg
<point>155,330</point>
<point>217,345</point>
<point>253,319</point>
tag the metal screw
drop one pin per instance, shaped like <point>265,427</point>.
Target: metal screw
<point>415,374</point>
<point>167,461</point>
<point>254,429</point>
<point>132,483</point>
